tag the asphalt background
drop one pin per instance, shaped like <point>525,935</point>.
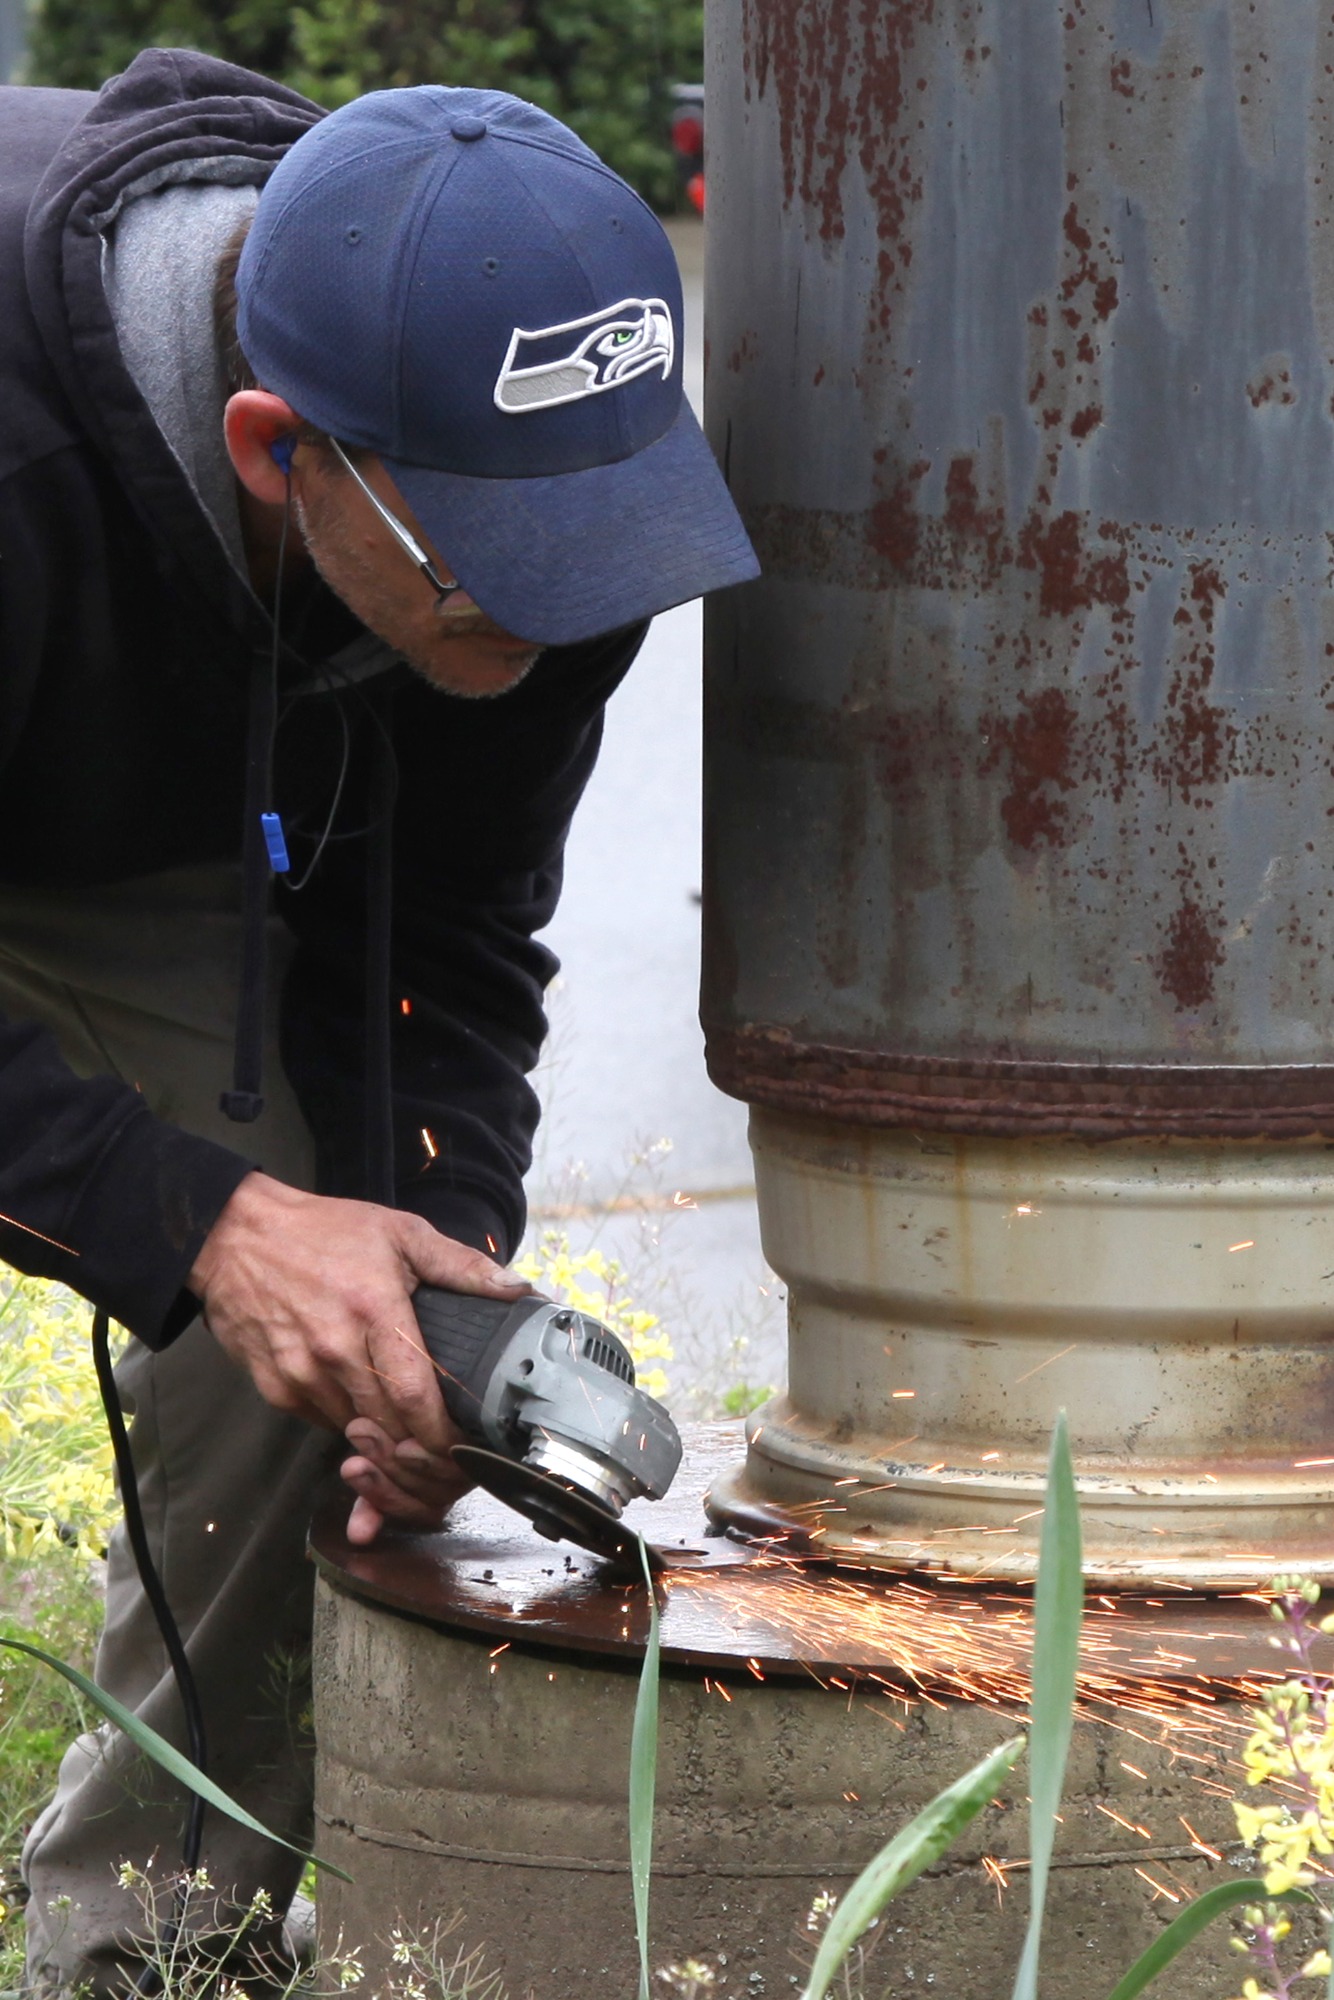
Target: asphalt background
<point>638,1154</point>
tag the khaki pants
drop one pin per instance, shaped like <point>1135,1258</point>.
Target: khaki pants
<point>140,980</point>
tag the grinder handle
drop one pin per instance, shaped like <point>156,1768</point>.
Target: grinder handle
<point>461,1331</point>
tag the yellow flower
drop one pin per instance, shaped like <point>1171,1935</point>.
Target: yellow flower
<point>56,1486</point>
<point>593,1283</point>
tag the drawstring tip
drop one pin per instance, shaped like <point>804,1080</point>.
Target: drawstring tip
<point>241,1106</point>
<point>276,842</point>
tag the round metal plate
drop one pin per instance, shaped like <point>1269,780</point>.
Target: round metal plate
<point>774,1607</point>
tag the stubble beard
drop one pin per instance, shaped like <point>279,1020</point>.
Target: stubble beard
<point>435,667</point>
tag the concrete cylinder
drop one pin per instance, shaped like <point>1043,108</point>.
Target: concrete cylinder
<point>455,1778</point>
<point>1018,868</point>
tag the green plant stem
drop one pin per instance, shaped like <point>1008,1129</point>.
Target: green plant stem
<point>163,1753</point>
<point>1058,1612</point>
<point>920,1843</point>
<point>643,1775</point>
<point>1188,1925</point>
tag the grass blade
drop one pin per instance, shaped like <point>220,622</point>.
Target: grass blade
<point>1191,1921</point>
<point>162,1752</point>
<point>643,1776</point>
<point>920,1843</point>
<point>1058,1612</point>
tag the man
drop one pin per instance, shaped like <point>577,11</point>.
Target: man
<point>341,463</point>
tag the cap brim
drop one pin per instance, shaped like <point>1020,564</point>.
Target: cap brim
<point>560,559</point>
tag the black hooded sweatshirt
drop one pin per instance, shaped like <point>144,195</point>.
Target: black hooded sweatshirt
<point>126,648</point>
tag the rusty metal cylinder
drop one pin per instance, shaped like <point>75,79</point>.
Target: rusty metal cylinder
<point>1020,757</point>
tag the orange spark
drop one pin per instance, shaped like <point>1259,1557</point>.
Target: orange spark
<point>996,1874</point>
<point>1128,1824</point>
<point>54,1241</point>
<point>1195,1840</point>
<point>1158,1888</point>
<point>432,1150</point>
<point>1047,1363</point>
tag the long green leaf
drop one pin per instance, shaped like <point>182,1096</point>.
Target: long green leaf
<point>643,1776</point>
<point>920,1843</point>
<point>1058,1612</point>
<point>162,1752</point>
<point>1191,1921</point>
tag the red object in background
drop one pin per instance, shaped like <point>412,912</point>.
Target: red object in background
<point>688,140</point>
<point>688,135</point>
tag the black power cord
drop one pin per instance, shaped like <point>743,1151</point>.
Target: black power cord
<point>152,1583</point>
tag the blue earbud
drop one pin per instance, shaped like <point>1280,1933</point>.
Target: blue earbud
<point>282,451</point>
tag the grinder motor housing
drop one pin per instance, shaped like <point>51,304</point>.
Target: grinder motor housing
<point>551,1389</point>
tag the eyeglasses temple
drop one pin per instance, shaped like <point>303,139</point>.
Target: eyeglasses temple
<point>406,541</point>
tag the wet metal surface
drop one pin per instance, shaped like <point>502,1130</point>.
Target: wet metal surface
<point>775,1609</point>
<point>1032,713</point>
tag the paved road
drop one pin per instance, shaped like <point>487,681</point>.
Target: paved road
<point>623,1070</point>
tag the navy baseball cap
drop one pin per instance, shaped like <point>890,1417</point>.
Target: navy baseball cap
<point>452,280</point>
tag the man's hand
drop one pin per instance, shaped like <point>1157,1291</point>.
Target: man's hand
<point>313,1297</point>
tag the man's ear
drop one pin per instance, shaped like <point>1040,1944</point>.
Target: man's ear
<point>260,430</point>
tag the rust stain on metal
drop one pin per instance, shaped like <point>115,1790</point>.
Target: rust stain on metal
<point>1038,745</point>
<point>1000,1099</point>
<point>893,529</point>
<point>964,513</point>
<point>1192,955</point>
<point>1071,578</point>
<point>843,81</point>
<point>1272,383</point>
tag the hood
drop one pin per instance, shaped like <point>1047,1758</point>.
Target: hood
<point>172,115</point>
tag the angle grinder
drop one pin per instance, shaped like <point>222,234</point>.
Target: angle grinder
<point>555,1423</point>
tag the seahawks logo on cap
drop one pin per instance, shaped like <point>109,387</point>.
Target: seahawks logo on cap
<point>582,357</point>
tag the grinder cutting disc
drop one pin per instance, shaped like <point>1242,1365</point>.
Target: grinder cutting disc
<point>555,1509</point>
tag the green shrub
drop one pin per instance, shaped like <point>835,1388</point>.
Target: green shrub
<point>605,66</point>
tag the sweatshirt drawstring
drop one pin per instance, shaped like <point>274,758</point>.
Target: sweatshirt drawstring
<point>379,1103</point>
<point>244,1101</point>
<point>260,853</point>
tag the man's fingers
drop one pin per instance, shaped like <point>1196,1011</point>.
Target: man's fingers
<point>439,1260</point>
<point>363,1523</point>
<point>430,1477</point>
<point>410,1383</point>
<point>305,1393</point>
<point>388,1498</point>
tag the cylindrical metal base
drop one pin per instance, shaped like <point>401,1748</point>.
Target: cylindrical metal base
<point>949,1295</point>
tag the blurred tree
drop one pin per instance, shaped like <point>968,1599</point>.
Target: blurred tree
<point>605,66</point>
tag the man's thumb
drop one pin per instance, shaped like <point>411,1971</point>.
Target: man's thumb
<point>439,1260</point>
